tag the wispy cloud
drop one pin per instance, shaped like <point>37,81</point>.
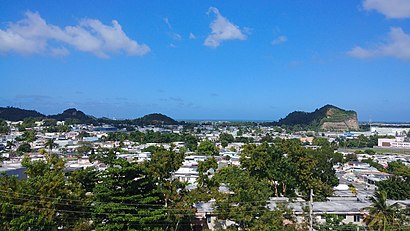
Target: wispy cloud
<point>59,51</point>
<point>222,30</point>
<point>397,46</point>
<point>279,40</point>
<point>191,36</point>
<point>33,35</point>
<point>174,35</point>
<point>166,21</point>
<point>390,8</point>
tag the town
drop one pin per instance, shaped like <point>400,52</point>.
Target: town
<point>229,173</point>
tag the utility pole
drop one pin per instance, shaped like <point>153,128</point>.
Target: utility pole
<point>311,211</point>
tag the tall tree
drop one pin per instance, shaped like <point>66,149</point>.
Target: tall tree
<point>50,144</point>
<point>127,198</point>
<point>208,148</point>
<point>395,187</point>
<point>225,139</point>
<point>44,201</point>
<point>24,148</point>
<point>246,205</point>
<point>4,128</point>
<point>264,162</point>
<point>178,206</point>
<point>381,215</point>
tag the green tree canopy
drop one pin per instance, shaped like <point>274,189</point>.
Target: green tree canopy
<point>127,198</point>
<point>208,148</point>
<point>246,205</point>
<point>225,139</point>
<point>44,201</point>
<point>4,128</point>
<point>24,148</point>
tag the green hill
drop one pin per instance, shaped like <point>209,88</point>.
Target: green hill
<point>156,119</point>
<point>17,114</point>
<point>328,117</point>
<point>75,116</point>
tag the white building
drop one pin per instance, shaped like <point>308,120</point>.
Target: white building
<point>397,142</point>
<point>389,131</point>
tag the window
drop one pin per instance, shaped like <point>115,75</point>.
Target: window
<point>356,218</point>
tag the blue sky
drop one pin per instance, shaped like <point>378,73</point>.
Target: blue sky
<point>255,60</point>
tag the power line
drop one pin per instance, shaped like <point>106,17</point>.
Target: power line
<point>123,214</point>
<point>76,219</point>
<point>120,203</point>
<point>86,212</point>
<point>90,206</point>
<point>71,200</point>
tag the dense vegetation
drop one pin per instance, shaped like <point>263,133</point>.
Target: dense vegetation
<point>17,114</point>
<point>3,127</point>
<point>75,116</point>
<point>132,196</point>
<point>156,119</point>
<point>361,142</point>
<point>191,141</point>
<point>397,187</point>
<point>125,196</point>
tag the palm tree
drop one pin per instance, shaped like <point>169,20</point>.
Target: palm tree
<point>50,144</point>
<point>381,215</point>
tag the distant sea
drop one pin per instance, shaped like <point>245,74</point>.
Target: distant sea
<point>224,120</point>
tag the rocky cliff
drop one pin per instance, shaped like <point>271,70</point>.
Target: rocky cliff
<point>341,120</point>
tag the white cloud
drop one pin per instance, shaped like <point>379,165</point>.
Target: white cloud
<point>279,40</point>
<point>33,35</point>
<point>359,52</point>
<point>397,46</point>
<point>174,35</point>
<point>59,51</point>
<point>166,20</point>
<point>222,30</point>
<point>191,36</point>
<point>390,8</point>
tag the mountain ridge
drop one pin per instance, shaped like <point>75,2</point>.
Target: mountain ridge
<point>328,117</point>
<point>76,116</point>
<point>17,114</point>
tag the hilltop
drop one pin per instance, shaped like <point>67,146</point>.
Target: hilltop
<point>328,117</point>
<point>157,119</point>
<point>17,114</point>
<point>75,116</point>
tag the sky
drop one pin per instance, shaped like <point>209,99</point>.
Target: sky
<point>227,60</point>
